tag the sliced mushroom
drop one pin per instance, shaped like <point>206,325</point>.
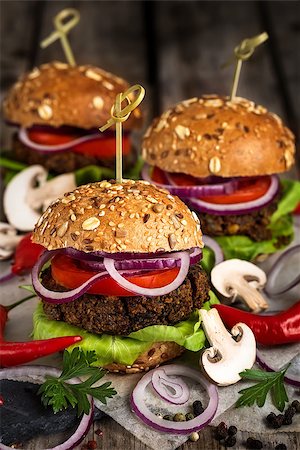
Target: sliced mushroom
<point>8,240</point>
<point>236,278</point>
<point>29,193</point>
<point>230,354</point>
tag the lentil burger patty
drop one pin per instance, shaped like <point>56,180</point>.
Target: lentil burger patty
<point>254,225</point>
<point>122,315</point>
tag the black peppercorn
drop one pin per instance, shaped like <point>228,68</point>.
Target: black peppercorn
<point>281,447</point>
<point>189,416</point>
<point>221,431</point>
<point>278,421</point>
<point>254,444</point>
<point>296,405</point>
<point>270,418</point>
<point>230,441</point>
<point>289,412</point>
<point>168,417</point>
<point>197,408</point>
<point>232,430</point>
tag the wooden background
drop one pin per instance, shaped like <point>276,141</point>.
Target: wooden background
<point>175,49</point>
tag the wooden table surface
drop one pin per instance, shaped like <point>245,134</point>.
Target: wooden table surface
<point>175,49</point>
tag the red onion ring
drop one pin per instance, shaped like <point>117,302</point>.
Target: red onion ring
<point>289,377</point>
<point>164,385</point>
<point>24,138</point>
<point>215,247</point>
<point>94,256</point>
<point>109,265</point>
<point>276,269</point>
<point>139,407</point>
<point>188,191</point>
<point>36,372</point>
<point>237,208</point>
<point>155,262</point>
<point>58,297</point>
<point>71,295</point>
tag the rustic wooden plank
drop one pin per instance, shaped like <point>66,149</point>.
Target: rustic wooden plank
<point>282,20</point>
<point>109,35</point>
<point>19,27</point>
<point>192,49</point>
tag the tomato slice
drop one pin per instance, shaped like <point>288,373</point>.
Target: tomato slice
<point>104,147</point>
<point>158,176</point>
<point>67,272</point>
<point>181,179</point>
<point>248,190</point>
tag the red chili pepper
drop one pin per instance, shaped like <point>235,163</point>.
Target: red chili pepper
<point>281,328</point>
<point>15,353</point>
<point>26,255</point>
<point>297,209</point>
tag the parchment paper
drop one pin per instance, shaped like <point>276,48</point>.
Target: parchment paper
<point>250,419</point>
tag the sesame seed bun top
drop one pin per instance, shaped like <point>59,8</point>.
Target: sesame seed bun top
<point>134,216</point>
<point>57,94</point>
<point>212,135</point>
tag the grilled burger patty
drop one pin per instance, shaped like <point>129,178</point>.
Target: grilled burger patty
<point>122,315</point>
<point>254,225</point>
<point>67,161</point>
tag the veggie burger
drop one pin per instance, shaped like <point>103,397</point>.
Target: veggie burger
<point>120,269</point>
<point>222,157</point>
<point>66,139</point>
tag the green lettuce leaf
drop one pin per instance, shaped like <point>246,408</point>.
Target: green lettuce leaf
<point>281,225</point>
<point>125,350</point>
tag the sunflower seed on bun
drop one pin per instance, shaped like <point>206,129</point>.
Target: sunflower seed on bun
<point>134,216</point>
<point>212,135</point>
<point>56,94</point>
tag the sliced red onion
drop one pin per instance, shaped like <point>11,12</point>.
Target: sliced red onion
<point>109,265</point>
<point>155,262</point>
<point>7,277</point>
<point>226,187</point>
<point>237,208</point>
<point>275,270</point>
<point>58,297</point>
<point>25,139</point>
<point>35,373</point>
<point>140,408</point>
<point>215,247</point>
<point>292,375</point>
<point>171,389</point>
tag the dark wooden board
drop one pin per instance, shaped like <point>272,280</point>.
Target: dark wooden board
<point>115,437</point>
<point>192,49</point>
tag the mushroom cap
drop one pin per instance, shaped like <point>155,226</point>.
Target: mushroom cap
<point>57,94</point>
<point>226,275</point>
<point>17,210</point>
<point>235,357</point>
<point>133,216</point>
<point>212,135</point>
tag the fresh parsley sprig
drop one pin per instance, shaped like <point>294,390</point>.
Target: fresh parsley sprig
<point>59,394</point>
<point>267,382</point>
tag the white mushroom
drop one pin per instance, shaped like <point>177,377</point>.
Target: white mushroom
<point>236,278</point>
<point>8,240</point>
<point>29,193</point>
<point>228,356</point>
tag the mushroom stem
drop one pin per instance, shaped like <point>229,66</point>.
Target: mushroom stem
<point>228,357</point>
<point>42,196</point>
<point>236,278</point>
<point>249,294</point>
<point>215,330</point>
